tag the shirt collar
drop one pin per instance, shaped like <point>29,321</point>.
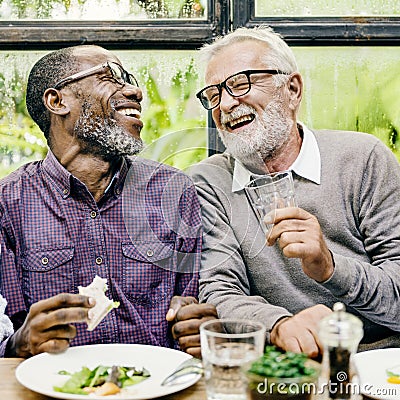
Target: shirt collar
<point>307,164</point>
<point>63,179</point>
<point>58,173</point>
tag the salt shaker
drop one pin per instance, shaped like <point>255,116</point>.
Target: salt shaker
<point>340,334</point>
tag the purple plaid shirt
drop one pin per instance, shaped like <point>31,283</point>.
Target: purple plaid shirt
<point>144,236</point>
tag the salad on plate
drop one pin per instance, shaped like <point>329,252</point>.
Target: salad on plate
<point>102,380</point>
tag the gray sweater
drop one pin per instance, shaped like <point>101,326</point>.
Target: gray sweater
<point>358,207</point>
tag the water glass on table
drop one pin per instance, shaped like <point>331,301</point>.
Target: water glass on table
<point>228,347</point>
<point>270,192</point>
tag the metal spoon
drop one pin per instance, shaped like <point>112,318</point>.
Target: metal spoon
<point>185,372</point>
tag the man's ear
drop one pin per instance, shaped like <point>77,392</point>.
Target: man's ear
<point>295,86</point>
<point>54,102</point>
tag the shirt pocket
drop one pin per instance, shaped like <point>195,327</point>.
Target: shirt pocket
<point>47,272</point>
<point>149,276</point>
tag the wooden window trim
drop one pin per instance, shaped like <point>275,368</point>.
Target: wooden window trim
<point>323,31</point>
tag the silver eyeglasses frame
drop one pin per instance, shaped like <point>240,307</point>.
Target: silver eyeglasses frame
<point>122,78</point>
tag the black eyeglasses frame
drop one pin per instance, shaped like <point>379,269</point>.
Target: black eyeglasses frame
<point>221,85</point>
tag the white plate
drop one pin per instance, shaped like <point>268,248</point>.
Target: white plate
<point>40,373</point>
<point>371,367</point>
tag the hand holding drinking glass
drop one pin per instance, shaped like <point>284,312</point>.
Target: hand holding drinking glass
<point>268,193</point>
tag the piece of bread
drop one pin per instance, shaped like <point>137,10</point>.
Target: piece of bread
<point>103,304</point>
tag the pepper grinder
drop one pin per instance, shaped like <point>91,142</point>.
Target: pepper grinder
<point>340,334</point>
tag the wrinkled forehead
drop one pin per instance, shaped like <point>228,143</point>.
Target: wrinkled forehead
<point>236,57</point>
<point>93,55</point>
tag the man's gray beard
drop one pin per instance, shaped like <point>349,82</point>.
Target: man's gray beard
<point>104,137</point>
<point>260,142</point>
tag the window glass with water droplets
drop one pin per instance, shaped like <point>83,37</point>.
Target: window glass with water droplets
<point>102,10</point>
<point>327,8</point>
<point>346,88</point>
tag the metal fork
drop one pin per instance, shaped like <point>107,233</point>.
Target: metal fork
<point>184,372</point>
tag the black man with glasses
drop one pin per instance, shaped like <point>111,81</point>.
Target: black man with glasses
<point>342,241</point>
<point>92,208</point>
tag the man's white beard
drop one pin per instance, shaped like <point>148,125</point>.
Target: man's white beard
<point>260,141</point>
<point>104,137</point>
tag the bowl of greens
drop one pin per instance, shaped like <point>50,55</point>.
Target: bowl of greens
<point>280,375</point>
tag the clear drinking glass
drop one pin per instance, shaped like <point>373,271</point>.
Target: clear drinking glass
<point>228,347</point>
<point>269,192</point>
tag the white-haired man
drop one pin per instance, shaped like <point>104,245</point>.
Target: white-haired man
<point>342,241</point>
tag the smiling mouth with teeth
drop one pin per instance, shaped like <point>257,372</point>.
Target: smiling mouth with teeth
<point>130,112</point>
<point>239,122</point>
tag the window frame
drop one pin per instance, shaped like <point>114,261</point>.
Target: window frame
<point>168,34</point>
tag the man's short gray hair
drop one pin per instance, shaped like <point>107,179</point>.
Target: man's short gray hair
<point>278,54</point>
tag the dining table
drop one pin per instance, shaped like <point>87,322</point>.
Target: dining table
<point>11,389</point>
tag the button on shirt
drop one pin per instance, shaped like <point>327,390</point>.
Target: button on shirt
<point>143,236</point>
